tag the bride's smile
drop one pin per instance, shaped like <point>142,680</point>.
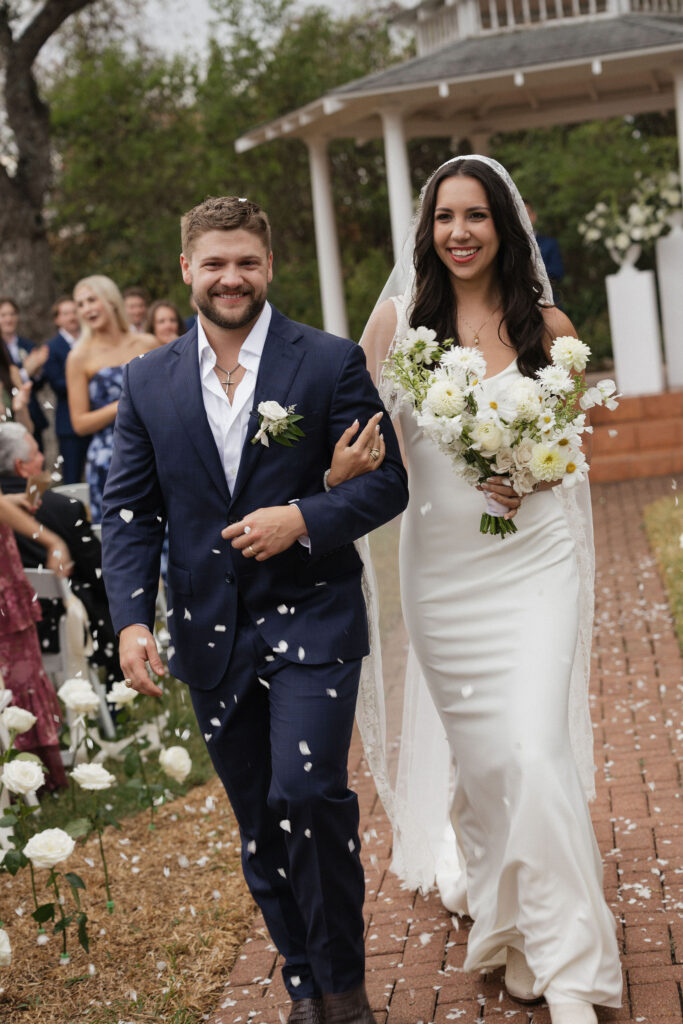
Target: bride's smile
<point>465,237</point>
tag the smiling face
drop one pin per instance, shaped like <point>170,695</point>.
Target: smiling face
<point>465,237</point>
<point>66,317</point>
<point>9,318</point>
<point>229,272</point>
<point>92,310</point>
<point>165,326</point>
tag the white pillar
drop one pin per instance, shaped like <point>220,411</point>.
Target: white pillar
<point>678,96</point>
<point>634,325</point>
<point>326,241</point>
<point>398,178</point>
<point>669,251</point>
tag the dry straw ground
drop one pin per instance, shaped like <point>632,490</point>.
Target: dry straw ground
<point>181,914</point>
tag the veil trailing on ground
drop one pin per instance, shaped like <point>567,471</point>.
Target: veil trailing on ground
<point>419,801</point>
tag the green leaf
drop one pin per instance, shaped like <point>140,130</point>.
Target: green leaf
<point>8,819</point>
<point>14,860</point>
<point>83,932</point>
<point>78,827</point>
<point>63,924</point>
<point>26,756</point>
<point>74,880</point>
<point>43,913</point>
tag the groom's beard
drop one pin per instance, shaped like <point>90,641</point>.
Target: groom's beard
<point>249,315</point>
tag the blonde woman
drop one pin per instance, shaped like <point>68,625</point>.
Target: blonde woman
<point>94,374</point>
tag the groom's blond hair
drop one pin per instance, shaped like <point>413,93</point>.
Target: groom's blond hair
<point>223,213</point>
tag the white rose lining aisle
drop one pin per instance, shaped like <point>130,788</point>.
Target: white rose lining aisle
<point>181,913</point>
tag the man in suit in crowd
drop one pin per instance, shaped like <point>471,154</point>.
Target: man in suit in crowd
<point>136,302</point>
<point>29,360</point>
<point>21,458</point>
<point>72,448</point>
<point>266,612</point>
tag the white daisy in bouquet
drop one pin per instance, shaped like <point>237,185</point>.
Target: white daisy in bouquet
<point>528,432</point>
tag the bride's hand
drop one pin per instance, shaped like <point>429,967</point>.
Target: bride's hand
<point>504,493</point>
<point>353,458</point>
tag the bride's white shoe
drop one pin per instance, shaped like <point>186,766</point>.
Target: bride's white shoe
<point>573,1013</point>
<point>519,981</point>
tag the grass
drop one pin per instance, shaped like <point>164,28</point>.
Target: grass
<point>664,526</point>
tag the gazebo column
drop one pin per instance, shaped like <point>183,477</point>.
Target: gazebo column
<point>669,252</point>
<point>398,178</point>
<point>480,143</point>
<point>326,240</point>
<point>678,98</point>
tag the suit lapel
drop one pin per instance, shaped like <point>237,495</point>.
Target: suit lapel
<point>277,369</point>
<point>186,391</point>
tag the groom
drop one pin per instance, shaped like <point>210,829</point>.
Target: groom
<point>266,613</point>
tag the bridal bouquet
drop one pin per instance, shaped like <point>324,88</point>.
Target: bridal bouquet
<point>526,432</point>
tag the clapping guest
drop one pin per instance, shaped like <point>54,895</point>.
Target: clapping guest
<point>72,448</point>
<point>20,662</point>
<point>94,374</point>
<point>164,322</point>
<point>14,394</point>
<point>136,301</point>
<point>27,357</point>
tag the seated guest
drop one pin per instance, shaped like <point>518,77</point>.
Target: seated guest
<point>72,448</point>
<point>21,664</point>
<point>136,301</point>
<point>14,394</point>
<point>20,458</point>
<point>29,360</point>
<point>164,322</point>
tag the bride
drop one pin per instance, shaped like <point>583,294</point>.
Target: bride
<point>499,630</point>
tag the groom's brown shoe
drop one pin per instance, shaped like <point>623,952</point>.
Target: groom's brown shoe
<point>348,1007</point>
<point>307,1011</point>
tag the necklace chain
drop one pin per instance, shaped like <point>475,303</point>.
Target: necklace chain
<point>228,373</point>
<point>477,330</point>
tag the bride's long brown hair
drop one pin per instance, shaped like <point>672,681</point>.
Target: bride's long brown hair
<point>521,291</point>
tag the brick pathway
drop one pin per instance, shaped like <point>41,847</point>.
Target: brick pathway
<point>415,949</point>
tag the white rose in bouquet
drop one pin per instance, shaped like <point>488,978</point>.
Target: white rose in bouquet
<point>17,719</point>
<point>23,776</point>
<point>523,452</point>
<point>92,776</point>
<point>5,949</point>
<point>487,437</point>
<point>49,847</point>
<point>445,398</point>
<point>78,696</point>
<point>522,399</point>
<point>121,694</point>
<point>176,762</point>
<point>570,353</point>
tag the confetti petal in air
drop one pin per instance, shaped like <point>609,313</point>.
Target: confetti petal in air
<point>304,747</point>
<point>286,825</point>
<point>126,515</point>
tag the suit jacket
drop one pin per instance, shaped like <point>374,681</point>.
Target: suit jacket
<point>35,411</point>
<point>166,466</point>
<point>54,372</point>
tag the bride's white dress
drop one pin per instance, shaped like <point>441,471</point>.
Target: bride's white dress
<point>494,624</point>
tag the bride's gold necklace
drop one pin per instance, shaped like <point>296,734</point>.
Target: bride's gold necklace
<point>477,330</point>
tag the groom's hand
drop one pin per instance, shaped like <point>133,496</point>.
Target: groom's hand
<point>136,648</point>
<point>266,532</point>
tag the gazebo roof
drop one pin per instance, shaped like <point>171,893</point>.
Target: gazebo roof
<point>531,76</point>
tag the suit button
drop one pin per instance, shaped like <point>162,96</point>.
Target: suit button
<point>229,577</point>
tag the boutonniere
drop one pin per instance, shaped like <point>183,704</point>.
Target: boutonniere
<point>278,423</point>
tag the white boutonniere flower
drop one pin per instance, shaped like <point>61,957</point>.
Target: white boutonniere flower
<point>278,423</point>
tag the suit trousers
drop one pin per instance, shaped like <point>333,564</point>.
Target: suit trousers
<point>73,450</point>
<point>278,734</point>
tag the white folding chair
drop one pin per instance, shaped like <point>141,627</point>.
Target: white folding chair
<point>48,586</point>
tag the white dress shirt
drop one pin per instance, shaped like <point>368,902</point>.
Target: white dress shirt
<point>68,338</point>
<point>15,352</point>
<point>229,422</point>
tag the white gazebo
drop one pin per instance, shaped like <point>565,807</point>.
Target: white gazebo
<point>486,66</point>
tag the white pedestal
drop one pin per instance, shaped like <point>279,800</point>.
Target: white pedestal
<point>670,276</point>
<point>634,323</point>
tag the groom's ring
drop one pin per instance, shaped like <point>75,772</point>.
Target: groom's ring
<point>128,682</point>
<point>375,454</point>
<point>250,549</point>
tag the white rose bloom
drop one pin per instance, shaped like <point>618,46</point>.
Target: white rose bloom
<point>487,437</point>
<point>570,353</point>
<point>272,411</point>
<point>17,719</point>
<point>523,480</point>
<point>622,241</point>
<point>525,398</point>
<point>92,776</point>
<point>23,777</point>
<point>445,398</point>
<point>5,949</point>
<point>556,380</point>
<point>504,461</point>
<point>49,847</point>
<point>468,473</point>
<point>78,695</point>
<point>592,235</point>
<point>121,694</point>
<point>176,762</point>
<point>523,452</point>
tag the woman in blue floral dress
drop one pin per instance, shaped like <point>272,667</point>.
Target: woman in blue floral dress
<point>94,374</point>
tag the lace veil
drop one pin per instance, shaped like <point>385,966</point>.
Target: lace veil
<point>418,802</point>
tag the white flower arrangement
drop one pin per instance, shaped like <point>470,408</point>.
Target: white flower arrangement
<point>529,432</point>
<point>23,776</point>
<point>646,216</point>
<point>176,762</point>
<point>92,776</point>
<point>17,720</point>
<point>48,848</point>
<point>78,696</point>
<point>121,694</point>
<point>277,423</point>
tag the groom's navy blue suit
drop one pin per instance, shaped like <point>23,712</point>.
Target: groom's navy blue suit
<point>271,650</point>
